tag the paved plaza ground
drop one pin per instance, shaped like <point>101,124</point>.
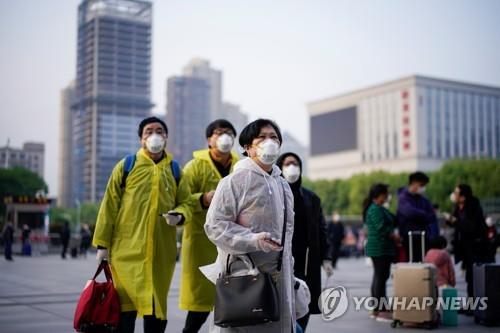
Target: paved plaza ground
<point>39,294</point>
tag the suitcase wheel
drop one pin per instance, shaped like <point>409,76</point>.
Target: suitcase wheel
<point>395,323</point>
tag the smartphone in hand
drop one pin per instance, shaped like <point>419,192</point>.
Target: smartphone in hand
<point>274,241</point>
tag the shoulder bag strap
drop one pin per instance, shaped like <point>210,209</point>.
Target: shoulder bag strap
<point>283,234</point>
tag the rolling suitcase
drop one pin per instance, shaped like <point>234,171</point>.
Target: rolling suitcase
<point>487,284</point>
<point>414,283</point>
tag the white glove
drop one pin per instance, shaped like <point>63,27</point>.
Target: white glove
<point>327,266</point>
<point>265,243</point>
<point>102,254</point>
<point>172,218</point>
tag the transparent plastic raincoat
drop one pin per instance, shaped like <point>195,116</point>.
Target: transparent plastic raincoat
<point>247,202</point>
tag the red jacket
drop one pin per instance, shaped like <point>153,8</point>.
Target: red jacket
<point>445,270</point>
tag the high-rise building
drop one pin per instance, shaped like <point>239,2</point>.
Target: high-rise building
<point>65,193</point>
<point>234,115</point>
<point>188,103</point>
<point>200,69</point>
<point>112,89</point>
<point>31,157</point>
<point>415,123</point>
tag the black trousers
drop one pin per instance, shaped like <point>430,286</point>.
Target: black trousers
<point>64,249</point>
<point>335,254</point>
<point>151,323</point>
<point>194,321</point>
<point>304,321</point>
<point>469,277</point>
<point>381,273</point>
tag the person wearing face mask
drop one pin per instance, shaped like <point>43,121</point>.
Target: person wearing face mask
<point>246,216</point>
<point>415,213</point>
<point>310,246</point>
<point>470,239</point>
<point>135,229</point>
<point>203,172</point>
<point>336,234</point>
<point>381,243</point>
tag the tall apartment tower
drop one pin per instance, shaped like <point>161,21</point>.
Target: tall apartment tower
<point>200,69</point>
<point>232,113</point>
<point>68,98</point>
<point>188,103</point>
<point>112,89</point>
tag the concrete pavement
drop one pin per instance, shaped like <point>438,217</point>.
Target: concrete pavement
<point>39,294</point>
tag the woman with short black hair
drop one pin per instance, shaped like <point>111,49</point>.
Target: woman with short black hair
<point>247,216</point>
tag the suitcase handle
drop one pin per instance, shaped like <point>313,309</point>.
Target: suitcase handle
<point>422,238</point>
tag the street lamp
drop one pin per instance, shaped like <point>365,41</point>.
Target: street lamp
<point>78,212</point>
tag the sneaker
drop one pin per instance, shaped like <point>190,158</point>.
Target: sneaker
<point>373,314</point>
<point>384,317</point>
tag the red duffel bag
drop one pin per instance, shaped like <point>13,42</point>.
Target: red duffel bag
<point>98,310</point>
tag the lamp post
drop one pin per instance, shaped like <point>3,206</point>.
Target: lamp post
<point>78,212</point>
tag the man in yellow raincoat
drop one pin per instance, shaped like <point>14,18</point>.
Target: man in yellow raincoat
<point>131,232</point>
<point>203,172</point>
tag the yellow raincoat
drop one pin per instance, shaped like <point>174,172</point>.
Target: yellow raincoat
<point>142,246</point>
<point>197,292</point>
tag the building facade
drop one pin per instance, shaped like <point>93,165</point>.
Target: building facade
<point>232,113</point>
<point>65,193</point>
<point>112,89</point>
<point>415,123</point>
<point>201,69</point>
<point>188,105</point>
<point>31,156</point>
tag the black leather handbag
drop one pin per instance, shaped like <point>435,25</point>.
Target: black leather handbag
<point>250,299</point>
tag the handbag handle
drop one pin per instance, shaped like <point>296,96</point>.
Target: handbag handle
<point>104,265</point>
<point>228,265</point>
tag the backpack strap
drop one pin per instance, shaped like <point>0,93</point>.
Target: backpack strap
<point>127,167</point>
<point>176,171</point>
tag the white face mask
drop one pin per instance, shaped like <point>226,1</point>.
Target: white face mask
<point>489,221</point>
<point>421,190</point>
<point>453,197</point>
<point>155,143</point>
<point>268,151</point>
<point>291,173</point>
<point>387,202</point>
<point>224,143</point>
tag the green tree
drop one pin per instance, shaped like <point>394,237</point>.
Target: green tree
<point>347,195</point>
<point>19,182</point>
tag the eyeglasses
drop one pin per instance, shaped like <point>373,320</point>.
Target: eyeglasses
<point>219,132</point>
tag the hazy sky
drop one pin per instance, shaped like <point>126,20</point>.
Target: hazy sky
<point>276,55</point>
